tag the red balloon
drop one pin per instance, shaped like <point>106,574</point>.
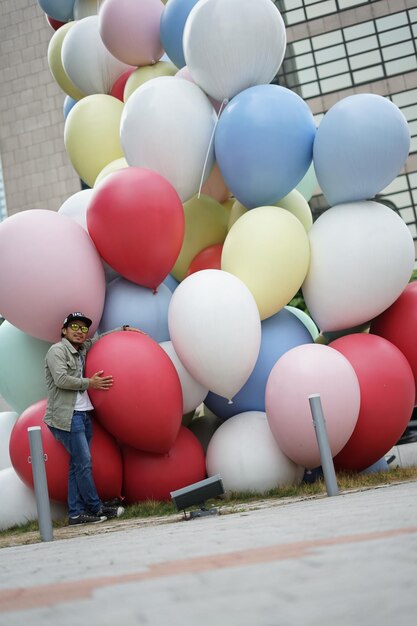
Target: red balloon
<point>117,91</point>
<point>154,476</point>
<point>136,221</point>
<point>106,456</point>
<point>398,324</point>
<point>143,408</point>
<point>208,259</point>
<point>387,398</point>
<point>55,24</point>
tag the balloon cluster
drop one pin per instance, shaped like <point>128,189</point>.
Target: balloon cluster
<point>196,228</point>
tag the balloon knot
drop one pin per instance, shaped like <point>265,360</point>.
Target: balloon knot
<point>230,401</point>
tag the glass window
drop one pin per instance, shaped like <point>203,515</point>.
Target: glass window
<point>368,74</point>
<point>365,60</point>
<point>413,144</point>
<point>360,30</point>
<point>362,45</point>
<point>329,39</point>
<point>398,184</point>
<point>401,65</point>
<point>330,54</point>
<point>304,60</point>
<point>399,50</point>
<point>402,200</point>
<point>391,21</point>
<point>321,8</point>
<point>307,76</point>
<point>405,97</point>
<point>294,17</point>
<point>336,82</point>
<point>332,69</point>
<point>310,91</point>
<point>407,215</point>
<point>395,36</point>
<point>299,47</point>
<point>346,4</point>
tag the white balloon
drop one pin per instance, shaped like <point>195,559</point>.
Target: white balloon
<point>230,45</point>
<point>362,256</point>
<point>85,8</point>
<point>86,60</point>
<point>75,207</point>
<point>215,329</point>
<point>193,393</point>
<point>18,502</point>
<point>7,421</point>
<point>244,452</point>
<point>167,126</point>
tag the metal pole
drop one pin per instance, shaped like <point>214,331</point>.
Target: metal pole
<point>323,442</point>
<point>39,479</point>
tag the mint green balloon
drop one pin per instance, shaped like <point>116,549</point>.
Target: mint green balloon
<point>308,185</point>
<point>305,319</point>
<point>22,378</point>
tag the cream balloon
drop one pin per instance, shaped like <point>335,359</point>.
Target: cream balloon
<point>205,225</point>
<point>244,452</point>
<point>236,211</point>
<point>230,45</point>
<point>143,74</point>
<point>167,126</point>
<point>55,62</point>
<point>86,60</point>
<point>362,256</point>
<point>215,329</point>
<point>296,204</point>
<point>91,135</point>
<point>113,166</point>
<point>76,205</point>
<point>193,393</point>
<point>85,8</point>
<point>268,249</point>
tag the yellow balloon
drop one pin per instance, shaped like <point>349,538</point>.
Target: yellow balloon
<point>236,211</point>
<point>205,225</point>
<point>91,135</point>
<point>114,166</point>
<point>296,204</point>
<point>145,73</point>
<point>268,249</point>
<point>55,62</point>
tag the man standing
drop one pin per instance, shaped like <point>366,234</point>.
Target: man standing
<point>68,416</point>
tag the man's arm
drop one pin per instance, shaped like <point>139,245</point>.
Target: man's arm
<point>56,361</point>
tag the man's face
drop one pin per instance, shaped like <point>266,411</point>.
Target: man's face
<point>76,332</point>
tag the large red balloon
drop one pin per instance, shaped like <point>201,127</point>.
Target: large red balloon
<point>154,476</point>
<point>208,259</point>
<point>136,220</point>
<point>398,324</point>
<point>54,24</point>
<point>387,398</point>
<point>106,456</point>
<point>143,408</point>
<point>117,91</point>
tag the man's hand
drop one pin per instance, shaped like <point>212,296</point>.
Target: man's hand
<point>98,381</point>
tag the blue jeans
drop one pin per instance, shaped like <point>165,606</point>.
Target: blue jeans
<point>82,493</point>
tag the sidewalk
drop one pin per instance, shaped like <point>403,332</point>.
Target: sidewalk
<point>347,560</point>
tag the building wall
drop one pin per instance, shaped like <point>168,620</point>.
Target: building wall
<point>36,170</point>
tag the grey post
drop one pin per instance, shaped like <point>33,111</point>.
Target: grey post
<point>40,484</point>
<point>323,442</point>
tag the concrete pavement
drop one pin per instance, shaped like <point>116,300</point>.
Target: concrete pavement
<point>350,559</point>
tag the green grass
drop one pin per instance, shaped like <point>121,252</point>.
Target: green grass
<point>346,481</point>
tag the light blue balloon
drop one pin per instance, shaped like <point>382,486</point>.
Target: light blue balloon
<point>280,333</point>
<point>68,104</point>
<point>61,10</point>
<point>22,367</point>
<point>171,283</point>
<point>173,20</point>
<point>264,144</point>
<point>360,147</point>
<point>128,303</point>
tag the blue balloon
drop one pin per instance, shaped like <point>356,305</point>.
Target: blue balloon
<point>280,333</point>
<point>128,303</point>
<point>68,104</point>
<point>61,10</point>
<point>173,21</point>
<point>360,147</point>
<point>171,283</point>
<point>264,144</point>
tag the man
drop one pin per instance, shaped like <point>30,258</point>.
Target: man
<point>68,416</point>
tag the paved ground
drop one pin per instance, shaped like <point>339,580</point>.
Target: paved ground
<point>347,560</point>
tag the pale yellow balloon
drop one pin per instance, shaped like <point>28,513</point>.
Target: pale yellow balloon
<point>145,73</point>
<point>55,62</point>
<point>296,204</point>
<point>236,211</point>
<point>114,166</point>
<point>92,136</point>
<point>268,249</point>
<point>205,225</point>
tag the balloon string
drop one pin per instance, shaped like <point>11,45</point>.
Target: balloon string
<point>224,102</point>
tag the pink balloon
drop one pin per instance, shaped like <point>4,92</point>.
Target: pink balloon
<point>50,267</point>
<point>185,74</point>
<point>215,187</point>
<point>130,30</point>
<point>303,371</point>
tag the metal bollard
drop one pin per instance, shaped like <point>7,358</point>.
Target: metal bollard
<point>37,460</point>
<point>323,442</point>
